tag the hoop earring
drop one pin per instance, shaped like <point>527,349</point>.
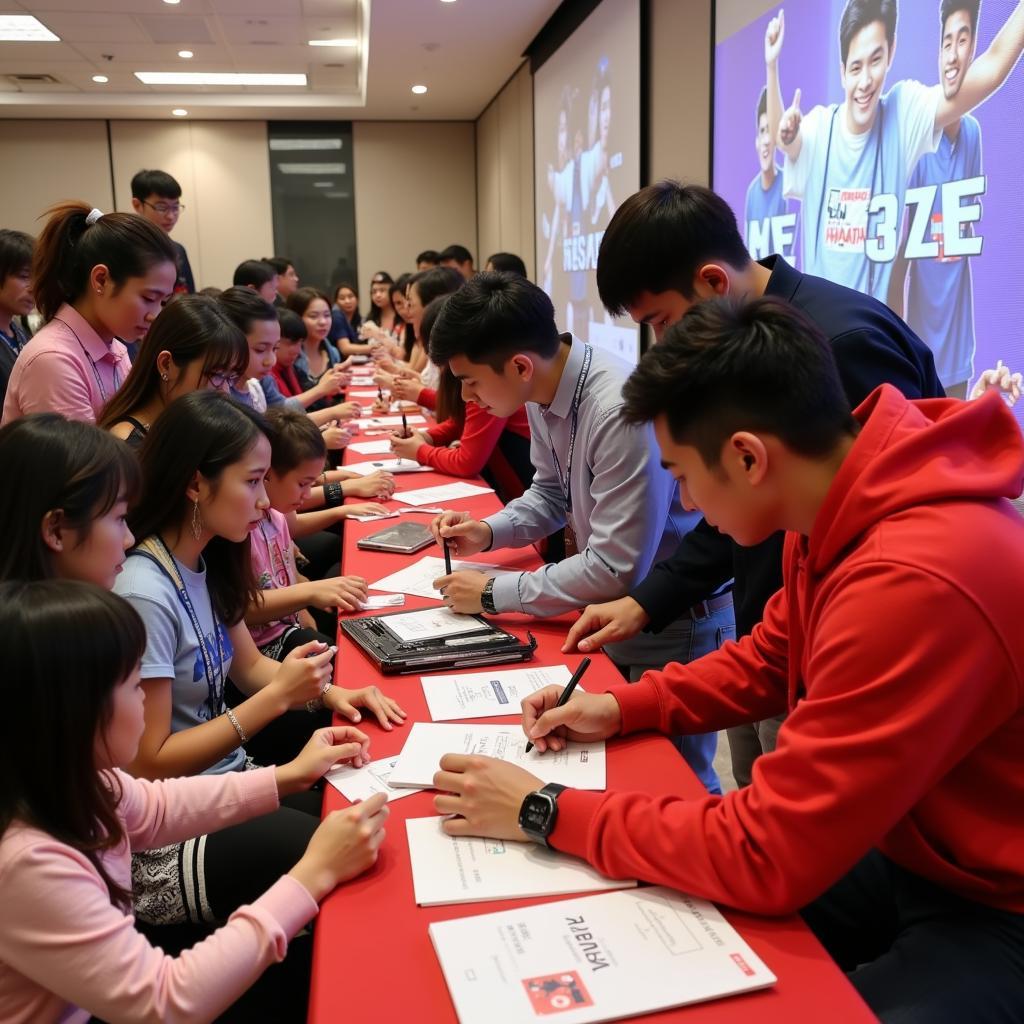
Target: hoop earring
<point>197,522</point>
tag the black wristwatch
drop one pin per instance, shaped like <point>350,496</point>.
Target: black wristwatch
<point>487,598</point>
<point>539,812</point>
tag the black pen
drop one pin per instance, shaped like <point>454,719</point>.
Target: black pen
<point>405,426</point>
<point>447,559</point>
<point>380,393</point>
<point>567,692</point>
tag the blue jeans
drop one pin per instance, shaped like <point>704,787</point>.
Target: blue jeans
<point>686,640</point>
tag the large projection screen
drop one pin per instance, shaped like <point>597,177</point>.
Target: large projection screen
<point>586,102</point>
<point>887,194</point>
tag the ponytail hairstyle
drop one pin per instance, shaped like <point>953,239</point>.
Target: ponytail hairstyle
<point>50,464</point>
<point>68,248</point>
<point>204,432</point>
<point>190,327</point>
<point>77,633</point>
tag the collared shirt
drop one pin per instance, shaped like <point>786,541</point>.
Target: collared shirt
<point>625,508</point>
<point>67,368</point>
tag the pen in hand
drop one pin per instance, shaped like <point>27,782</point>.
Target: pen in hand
<point>447,559</point>
<point>567,692</point>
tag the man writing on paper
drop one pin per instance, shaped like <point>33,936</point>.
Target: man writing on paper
<point>595,474</point>
<point>890,809</point>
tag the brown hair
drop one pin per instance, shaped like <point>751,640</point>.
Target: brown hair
<point>294,438</point>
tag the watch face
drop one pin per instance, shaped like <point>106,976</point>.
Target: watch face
<point>536,812</point>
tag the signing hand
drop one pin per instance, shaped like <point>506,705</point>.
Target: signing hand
<point>608,623</point>
<point>345,703</point>
<point>406,389</point>
<point>1000,377</point>
<point>587,717</point>
<point>406,447</point>
<point>465,535</point>
<point>485,793</point>
<point>462,590</point>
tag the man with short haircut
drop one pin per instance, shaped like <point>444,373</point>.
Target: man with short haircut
<point>889,814</point>
<point>428,259</point>
<point>595,475</point>
<point>669,247</point>
<point>15,298</point>
<point>287,277</point>
<point>506,263</point>
<point>258,275</point>
<point>768,223</point>
<point>157,197</point>
<point>459,257</point>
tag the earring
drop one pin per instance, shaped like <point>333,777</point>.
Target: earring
<point>197,522</point>
<point>164,377</point>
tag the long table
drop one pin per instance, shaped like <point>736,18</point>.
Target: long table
<point>373,960</point>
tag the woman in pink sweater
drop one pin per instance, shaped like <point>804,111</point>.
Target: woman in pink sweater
<point>69,819</point>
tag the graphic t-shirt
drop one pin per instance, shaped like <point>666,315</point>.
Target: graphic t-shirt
<point>172,648</point>
<point>852,187</point>
<point>940,294</point>
<point>274,564</point>
<point>769,224</point>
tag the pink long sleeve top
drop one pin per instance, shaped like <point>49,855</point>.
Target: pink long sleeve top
<point>66,951</point>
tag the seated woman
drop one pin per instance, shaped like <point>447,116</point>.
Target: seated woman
<point>318,360</point>
<point>345,316</point>
<point>192,344</point>
<point>468,440</point>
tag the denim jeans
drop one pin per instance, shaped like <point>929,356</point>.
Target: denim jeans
<point>685,640</point>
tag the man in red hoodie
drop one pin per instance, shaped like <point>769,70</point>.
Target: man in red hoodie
<point>891,811</point>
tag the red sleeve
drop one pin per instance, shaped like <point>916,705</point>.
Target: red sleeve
<point>427,398</point>
<point>479,436</point>
<point>893,704</point>
<point>446,432</point>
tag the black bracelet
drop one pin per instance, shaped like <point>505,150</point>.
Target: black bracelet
<point>333,494</point>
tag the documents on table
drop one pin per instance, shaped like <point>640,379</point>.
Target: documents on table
<point>432,624</point>
<point>361,783</point>
<point>594,958</point>
<point>461,869</point>
<point>443,492</point>
<point>579,765</point>
<point>386,421</point>
<point>418,579</point>
<point>386,466</point>
<point>487,694</point>
<point>374,518</point>
<point>369,448</point>
<point>382,601</point>
<point>370,392</point>
<point>394,407</point>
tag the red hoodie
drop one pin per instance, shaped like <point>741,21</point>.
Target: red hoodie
<point>897,646</point>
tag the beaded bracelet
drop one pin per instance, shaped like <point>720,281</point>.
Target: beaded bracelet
<point>238,728</point>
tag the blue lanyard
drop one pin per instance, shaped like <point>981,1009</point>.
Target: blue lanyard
<point>577,397</point>
<point>92,364</point>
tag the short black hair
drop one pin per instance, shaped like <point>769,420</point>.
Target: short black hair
<point>245,307</point>
<point>762,106</point>
<point>431,256</point>
<point>658,238</point>
<point>459,253</point>
<point>280,264</point>
<point>293,327</point>
<point>491,318</point>
<point>253,274</point>
<point>435,282</point>
<point>155,183</point>
<point>729,366</point>
<point>507,262</point>
<point>948,7</point>
<point>858,14</point>
<point>16,250</point>
<point>294,438</point>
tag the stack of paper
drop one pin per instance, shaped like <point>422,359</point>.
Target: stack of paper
<point>487,694</point>
<point>443,492</point>
<point>386,466</point>
<point>595,958</point>
<point>357,784</point>
<point>579,765</point>
<point>450,869</point>
<point>418,579</point>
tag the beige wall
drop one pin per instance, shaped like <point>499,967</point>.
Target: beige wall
<point>46,161</point>
<point>414,189</point>
<point>504,171</point>
<point>224,173</point>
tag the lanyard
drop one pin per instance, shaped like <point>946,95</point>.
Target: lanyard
<point>16,340</point>
<point>92,364</point>
<point>157,551</point>
<point>577,397</point>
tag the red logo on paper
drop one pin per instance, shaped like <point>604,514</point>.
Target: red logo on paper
<point>556,993</point>
<point>742,964</point>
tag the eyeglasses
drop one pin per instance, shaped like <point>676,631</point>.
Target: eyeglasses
<point>165,208</point>
<point>219,380</point>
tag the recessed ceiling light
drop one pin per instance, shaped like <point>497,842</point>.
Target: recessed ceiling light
<point>278,145</point>
<point>334,42</point>
<point>23,28</point>
<point>217,78</point>
<point>419,89</point>
<point>100,79</point>
<point>323,184</point>
<point>179,112</point>
<point>447,1</point>
<point>186,54</point>
<point>172,1</point>
<point>311,168</point>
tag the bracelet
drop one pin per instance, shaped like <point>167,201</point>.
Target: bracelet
<point>318,704</point>
<point>238,728</point>
<point>333,494</point>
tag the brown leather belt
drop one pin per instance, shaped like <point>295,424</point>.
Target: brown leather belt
<point>705,609</point>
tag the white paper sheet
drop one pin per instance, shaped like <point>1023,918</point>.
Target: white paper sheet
<point>387,421</point>
<point>367,393</point>
<point>443,492</point>
<point>487,694</point>
<point>449,869</point>
<point>382,601</point>
<point>418,579</point>
<point>361,783</point>
<point>370,448</point>
<point>579,765</point>
<point>431,623</point>
<point>386,466</point>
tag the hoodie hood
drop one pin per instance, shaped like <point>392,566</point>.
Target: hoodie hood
<point>917,453</point>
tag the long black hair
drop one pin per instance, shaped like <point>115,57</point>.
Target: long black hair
<point>67,645</point>
<point>50,464</point>
<point>204,432</point>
